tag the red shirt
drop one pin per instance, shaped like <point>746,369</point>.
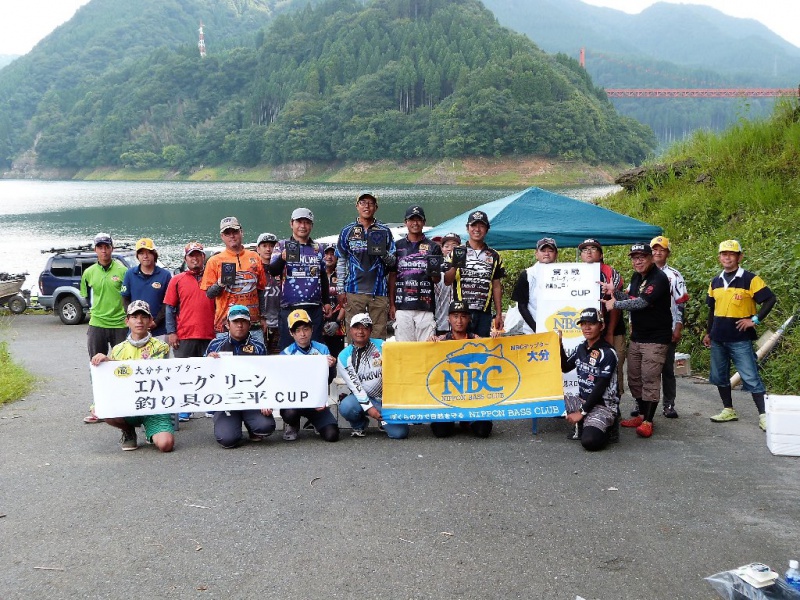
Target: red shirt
<point>195,310</point>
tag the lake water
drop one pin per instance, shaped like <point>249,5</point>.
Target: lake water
<point>38,215</point>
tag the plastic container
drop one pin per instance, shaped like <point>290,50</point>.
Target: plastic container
<point>792,576</point>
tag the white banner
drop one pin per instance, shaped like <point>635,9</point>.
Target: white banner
<point>130,388</point>
<point>563,291</point>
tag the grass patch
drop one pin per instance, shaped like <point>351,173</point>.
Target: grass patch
<point>15,381</point>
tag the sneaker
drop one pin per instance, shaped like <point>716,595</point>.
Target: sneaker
<point>183,417</point>
<point>727,414</point>
<point>289,432</point>
<point>669,411</point>
<point>632,422</point>
<point>128,440</point>
<point>762,422</point>
<point>209,415</point>
<point>381,427</point>
<point>358,433</point>
<point>645,430</point>
<point>635,412</point>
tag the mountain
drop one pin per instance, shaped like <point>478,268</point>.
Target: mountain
<point>6,59</point>
<point>684,34</point>
<point>337,80</point>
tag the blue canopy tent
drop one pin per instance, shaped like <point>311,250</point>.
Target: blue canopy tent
<point>519,220</point>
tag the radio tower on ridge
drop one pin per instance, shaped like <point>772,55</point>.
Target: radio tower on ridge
<point>201,44</point>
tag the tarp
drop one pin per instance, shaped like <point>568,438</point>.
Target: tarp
<point>519,220</point>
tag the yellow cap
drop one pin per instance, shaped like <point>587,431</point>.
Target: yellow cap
<point>730,246</point>
<point>662,241</point>
<point>145,244</point>
<point>298,316</point>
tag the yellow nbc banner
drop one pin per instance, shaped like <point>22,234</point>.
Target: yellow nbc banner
<point>514,377</point>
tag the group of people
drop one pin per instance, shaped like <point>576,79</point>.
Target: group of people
<point>297,296</point>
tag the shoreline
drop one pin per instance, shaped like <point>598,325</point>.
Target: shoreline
<point>513,171</point>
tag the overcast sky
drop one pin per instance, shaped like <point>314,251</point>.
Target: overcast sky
<point>24,22</point>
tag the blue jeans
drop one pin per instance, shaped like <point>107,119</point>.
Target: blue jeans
<point>743,357</point>
<point>351,410</point>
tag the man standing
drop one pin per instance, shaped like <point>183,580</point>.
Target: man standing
<point>459,316</point>
<point>140,344</point>
<point>333,332</point>
<point>240,341</point>
<point>525,291</point>
<point>148,282</point>
<point>732,300</point>
<point>365,250</point>
<point>678,297</point>
<point>361,366</point>
<point>235,276</point>
<point>298,262</point>
<point>477,282</point>
<point>412,281</point>
<point>271,305</point>
<point>596,407</point>
<point>592,252</point>
<point>443,291</point>
<point>101,285</point>
<point>648,300</point>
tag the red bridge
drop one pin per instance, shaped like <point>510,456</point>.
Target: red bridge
<point>702,93</point>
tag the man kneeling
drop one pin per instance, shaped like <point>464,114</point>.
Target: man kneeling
<point>239,342</point>
<point>595,410</point>
<point>140,345</point>
<point>301,330</point>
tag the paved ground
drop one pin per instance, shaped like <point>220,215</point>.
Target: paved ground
<point>514,516</point>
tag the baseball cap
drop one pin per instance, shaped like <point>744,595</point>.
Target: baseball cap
<point>590,242</point>
<point>730,246</point>
<point>361,319</point>
<point>414,211</point>
<point>329,247</point>
<point>363,195</point>
<point>103,238</point>
<point>267,237</point>
<point>662,241</point>
<point>138,306</point>
<point>640,248</point>
<point>237,311</point>
<point>458,306</point>
<point>451,236</point>
<point>478,217</point>
<point>546,242</point>
<point>229,223</point>
<point>302,213</point>
<point>145,244</point>
<point>192,247</point>
<point>298,316</point>
<point>590,315</point>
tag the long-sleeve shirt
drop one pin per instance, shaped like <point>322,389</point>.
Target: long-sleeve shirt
<point>362,370</point>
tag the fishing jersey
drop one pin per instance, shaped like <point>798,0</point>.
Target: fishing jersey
<point>245,347</point>
<point>154,348</point>
<point>357,271</point>
<point>271,304</point>
<point>592,364</point>
<point>444,296</point>
<point>652,324</point>
<point>102,287</point>
<point>150,288</point>
<point>194,311</point>
<point>414,290</point>
<point>304,282</point>
<point>610,275</point>
<point>250,278</point>
<point>362,370</point>
<point>736,300</point>
<point>473,283</point>
<point>678,293</point>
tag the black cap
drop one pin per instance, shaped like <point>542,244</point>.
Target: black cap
<point>458,306</point>
<point>590,242</point>
<point>640,248</point>
<point>478,216</point>
<point>450,236</point>
<point>590,315</point>
<point>415,211</point>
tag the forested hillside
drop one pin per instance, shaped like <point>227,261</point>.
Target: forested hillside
<point>392,79</point>
<point>666,45</point>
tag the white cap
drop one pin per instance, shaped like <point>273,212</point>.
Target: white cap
<point>793,564</point>
<point>361,319</point>
<point>302,213</point>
